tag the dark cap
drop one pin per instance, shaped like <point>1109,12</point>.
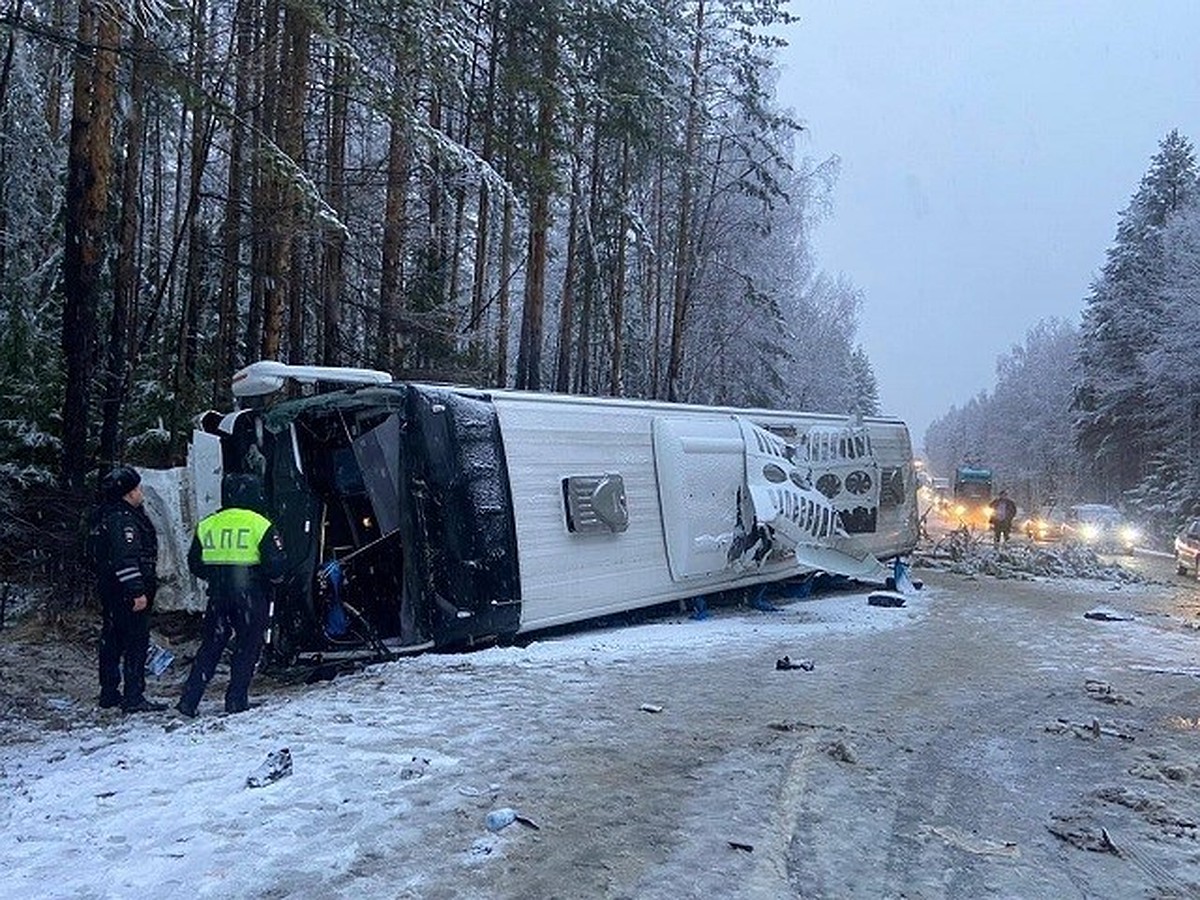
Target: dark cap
<point>243,491</point>
<point>119,482</point>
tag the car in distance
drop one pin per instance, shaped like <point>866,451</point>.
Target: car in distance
<point>1046,526</point>
<point>1101,527</point>
<point>1187,548</point>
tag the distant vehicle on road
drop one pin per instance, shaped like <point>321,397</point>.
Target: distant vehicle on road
<point>1187,549</point>
<point>1101,527</point>
<point>1047,526</point>
<point>941,491</point>
<point>973,495</point>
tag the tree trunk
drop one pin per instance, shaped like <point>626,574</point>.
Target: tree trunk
<point>660,229</point>
<point>197,250</point>
<point>529,357</point>
<point>483,219</point>
<point>231,225</point>
<point>389,347</point>
<point>616,385</point>
<point>591,268</point>
<point>6,126</point>
<point>506,231</point>
<point>123,322</point>
<point>293,71</point>
<point>683,239</point>
<point>566,319</point>
<point>333,248</point>
<point>265,85</point>
<point>88,174</point>
<point>54,78</point>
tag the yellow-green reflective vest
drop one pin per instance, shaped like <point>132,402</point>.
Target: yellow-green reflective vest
<point>231,537</point>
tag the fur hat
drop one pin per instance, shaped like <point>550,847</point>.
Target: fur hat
<point>119,482</point>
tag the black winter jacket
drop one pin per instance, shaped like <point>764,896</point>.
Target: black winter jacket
<point>129,550</point>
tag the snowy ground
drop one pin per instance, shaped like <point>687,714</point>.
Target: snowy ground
<point>394,769</point>
<point>951,748</point>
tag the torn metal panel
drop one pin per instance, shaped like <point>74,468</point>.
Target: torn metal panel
<point>843,466</point>
<point>735,496</point>
<point>782,494</point>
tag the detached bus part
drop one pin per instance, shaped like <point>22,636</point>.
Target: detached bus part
<point>418,516</point>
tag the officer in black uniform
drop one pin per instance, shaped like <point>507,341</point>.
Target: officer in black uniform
<point>240,554</point>
<point>125,550</point>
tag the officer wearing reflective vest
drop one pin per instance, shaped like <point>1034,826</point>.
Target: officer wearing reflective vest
<point>239,553</point>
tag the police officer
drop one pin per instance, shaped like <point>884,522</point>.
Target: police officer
<point>125,551</point>
<point>239,553</point>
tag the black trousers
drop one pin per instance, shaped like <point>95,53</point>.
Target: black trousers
<point>243,616</point>
<point>124,641</point>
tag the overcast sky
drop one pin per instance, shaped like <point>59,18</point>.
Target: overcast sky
<point>986,150</point>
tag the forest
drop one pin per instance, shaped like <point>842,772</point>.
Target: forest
<point>572,195</point>
<point>1108,409</point>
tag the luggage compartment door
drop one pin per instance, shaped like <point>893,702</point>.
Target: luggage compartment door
<point>701,468</point>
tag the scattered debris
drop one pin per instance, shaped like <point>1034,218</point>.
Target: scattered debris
<point>1082,835</point>
<point>468,791</point>
<point>967,555</point>
<point>1107,615</point>
<point>811,726</point>
<point>1093,730</point>
<point>1102,691</point>
<point>885,598</point>
<point>158,659</point>
<point>788,663</point>
<point>481,849</point>
<point>414,769</point>
<point>745,848</point>
<point>277,765</point>
<point>650,708</point>
<point>841,751</point>
<point>971,844</point>
<point>501,818</point>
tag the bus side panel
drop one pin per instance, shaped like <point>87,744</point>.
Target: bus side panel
<point>568,576</point>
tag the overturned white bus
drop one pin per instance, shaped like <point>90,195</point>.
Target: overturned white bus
<point>418,516</point>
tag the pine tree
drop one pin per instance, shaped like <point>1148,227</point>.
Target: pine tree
<point>1119,326</point>
<point>866,389</point>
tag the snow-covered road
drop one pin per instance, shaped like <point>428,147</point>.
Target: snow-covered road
<point>956,747</point>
